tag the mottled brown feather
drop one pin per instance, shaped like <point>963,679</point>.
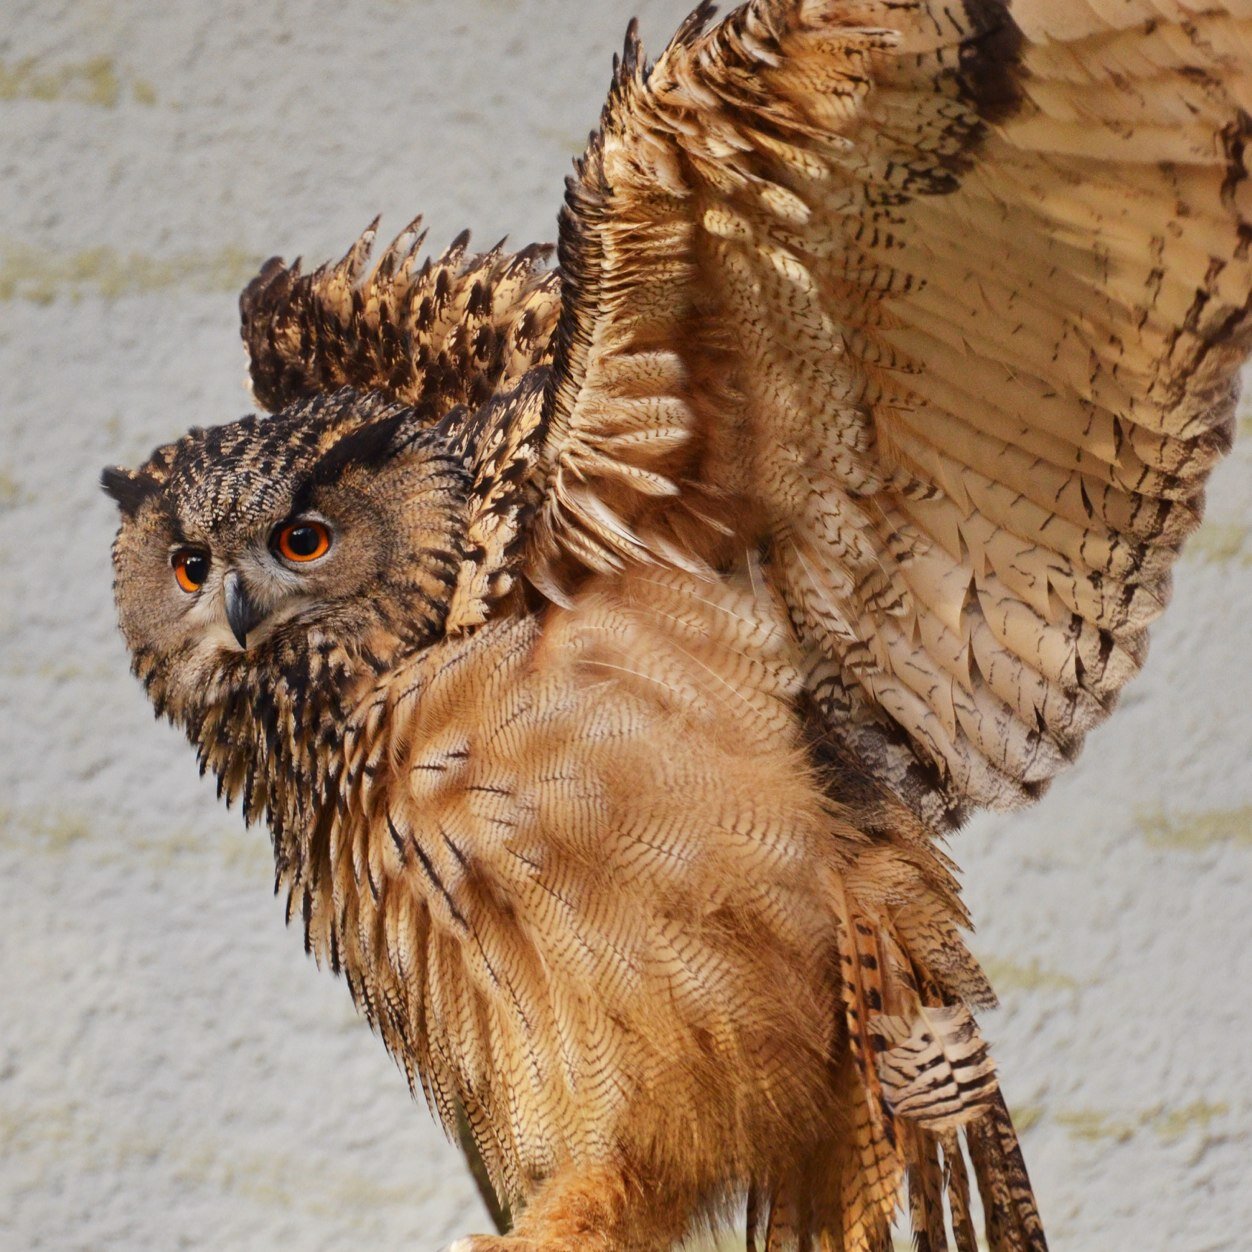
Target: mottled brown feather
<point>680,597</point>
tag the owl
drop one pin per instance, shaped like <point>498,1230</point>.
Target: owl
<point>609,641</point>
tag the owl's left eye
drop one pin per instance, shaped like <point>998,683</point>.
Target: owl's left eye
<point>302,540</point>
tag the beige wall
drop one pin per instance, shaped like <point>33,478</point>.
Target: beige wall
<point>173,1073</point>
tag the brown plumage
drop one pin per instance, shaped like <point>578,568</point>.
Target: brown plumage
<point>607,646</point>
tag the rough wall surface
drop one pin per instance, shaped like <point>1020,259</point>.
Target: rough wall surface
<point>173,1072</point>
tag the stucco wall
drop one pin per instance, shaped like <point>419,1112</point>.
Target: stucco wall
<point>173,1071</point>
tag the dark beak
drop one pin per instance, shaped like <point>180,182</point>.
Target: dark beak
<point>241,613</point>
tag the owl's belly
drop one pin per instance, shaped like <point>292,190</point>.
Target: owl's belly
<point>587,893</point>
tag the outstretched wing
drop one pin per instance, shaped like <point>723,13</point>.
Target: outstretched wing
<point>942,305</point>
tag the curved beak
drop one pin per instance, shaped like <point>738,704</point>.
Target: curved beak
<point>242,614</point>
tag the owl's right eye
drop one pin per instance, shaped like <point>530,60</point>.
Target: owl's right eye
<point>191,568</point>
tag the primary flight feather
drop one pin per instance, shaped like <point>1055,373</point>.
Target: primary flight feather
<point>608,644</point>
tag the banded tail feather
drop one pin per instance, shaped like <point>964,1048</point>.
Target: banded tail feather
<point>925,1105</point>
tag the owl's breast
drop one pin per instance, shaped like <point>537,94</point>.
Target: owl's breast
<point>589,840</point>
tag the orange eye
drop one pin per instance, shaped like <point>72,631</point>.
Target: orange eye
<point>191,568</point>
<point>302,541</point>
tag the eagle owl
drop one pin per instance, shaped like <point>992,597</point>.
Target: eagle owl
<point>609,642</point>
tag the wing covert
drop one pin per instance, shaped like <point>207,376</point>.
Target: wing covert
<point>942,306</point>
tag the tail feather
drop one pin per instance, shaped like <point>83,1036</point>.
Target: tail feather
<point>956,1179</point>
<point>870,1184</point>
<point>934,1069</point>
<point>790,1225</point>
<point>916,1079</point>
<point>755,1217</point>
<point>783,1230</point>
<point>1013,1223</point>
<point>926,1188</point>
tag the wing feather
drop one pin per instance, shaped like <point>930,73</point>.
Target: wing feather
<point>942,307</point>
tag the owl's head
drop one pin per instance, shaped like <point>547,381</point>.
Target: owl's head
<point>278,554</point>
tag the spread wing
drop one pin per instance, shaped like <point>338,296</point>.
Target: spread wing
<point>942,306</point>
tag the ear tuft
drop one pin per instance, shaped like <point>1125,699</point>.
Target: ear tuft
<point>369,445</point>
<point>128,488</point>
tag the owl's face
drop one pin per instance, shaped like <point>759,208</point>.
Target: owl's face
<point>248,550</point>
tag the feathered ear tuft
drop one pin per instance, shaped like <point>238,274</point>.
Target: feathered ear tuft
<point>128,488</point>
<point>369,445</point>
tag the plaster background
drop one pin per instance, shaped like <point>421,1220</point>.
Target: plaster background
<point>173,1072</point>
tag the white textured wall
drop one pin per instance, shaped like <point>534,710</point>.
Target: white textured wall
<point>173,1072</point>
